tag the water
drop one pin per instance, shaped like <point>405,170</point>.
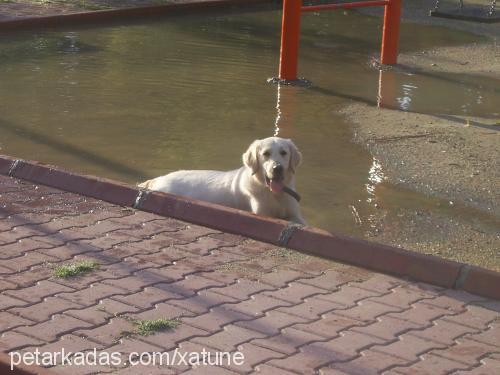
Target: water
<point>136,101</point>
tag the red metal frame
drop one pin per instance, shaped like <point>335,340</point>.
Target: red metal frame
<point>290,31</point>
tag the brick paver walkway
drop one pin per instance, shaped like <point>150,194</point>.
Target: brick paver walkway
<point>287,313</point>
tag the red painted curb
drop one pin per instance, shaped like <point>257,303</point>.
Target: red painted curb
<point>121,14</point>
<point>100,188</point>
<point>214,216</point>
<point>6,163</point>
<point>482,281</point>
<point>314,241</point>
<point>378,257</point>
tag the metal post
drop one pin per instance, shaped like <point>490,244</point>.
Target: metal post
<point>290,32</point>
<point>390,34</point>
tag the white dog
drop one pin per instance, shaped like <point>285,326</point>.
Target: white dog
<point>265,184</point>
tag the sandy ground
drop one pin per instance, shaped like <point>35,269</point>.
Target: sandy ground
<point>450,157</point>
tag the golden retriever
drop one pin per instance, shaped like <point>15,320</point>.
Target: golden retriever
<point>265,185</point>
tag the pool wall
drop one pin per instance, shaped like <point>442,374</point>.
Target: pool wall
<point>313,241</point>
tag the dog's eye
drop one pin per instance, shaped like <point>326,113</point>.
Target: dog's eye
<point>266,154</point>
<point>283,153</point>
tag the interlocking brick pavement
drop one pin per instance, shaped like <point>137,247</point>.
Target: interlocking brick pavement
<point>287,313</point>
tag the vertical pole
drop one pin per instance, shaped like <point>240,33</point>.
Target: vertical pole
<point>390,33</point>
<point>290,32</point>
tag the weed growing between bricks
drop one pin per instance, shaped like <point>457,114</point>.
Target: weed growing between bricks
<point>148,327</point>
<point>75,269</point>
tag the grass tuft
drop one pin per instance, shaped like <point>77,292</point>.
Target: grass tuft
<point>75,269</point>
<point>149,327</point>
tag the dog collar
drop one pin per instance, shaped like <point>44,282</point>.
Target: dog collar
<point>294,194</point>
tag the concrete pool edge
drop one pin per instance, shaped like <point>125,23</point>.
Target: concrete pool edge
<point>313,241</point>
<point>123,14</point>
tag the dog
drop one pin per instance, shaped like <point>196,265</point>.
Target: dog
<point>264,185</point>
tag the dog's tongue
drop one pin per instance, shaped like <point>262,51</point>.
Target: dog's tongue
<point>276,186</point>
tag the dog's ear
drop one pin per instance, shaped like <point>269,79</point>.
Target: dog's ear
<point>251,157</point>
<point>295,156</point>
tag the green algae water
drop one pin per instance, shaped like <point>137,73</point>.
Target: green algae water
<point>135,101</point>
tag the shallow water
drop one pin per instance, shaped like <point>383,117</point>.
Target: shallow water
<point>135,101</point>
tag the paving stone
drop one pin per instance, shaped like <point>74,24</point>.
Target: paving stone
<point>57,326</point>
<point>386,328</point>
<point>9,321</point>
<point>266,369</point>
<point>69,250</point>
<point>490,336</point>
<point>39,291</point>
<point>368,310</point>
<point>91,295</point>
<point>107,334</point>
<point>466,351</point>
<point>169,339</point>
<point>30,259</point>
<point>253,355</point>
<point>31,276</point>
<point>475,317</point>
<point>148,297</point>
<point>295,292</point>
<point>229,338</point>
<point>7,302</point>
<point>349,295</point>
<point>271,323</point>
<point>422,313</point>
<point>310,308</point>
<point>256,305</point>
<point>444,332</point>
<point>216,318</point>
<point>14,248</point>
<point>287,341</point>
<point>330,280</point>
<point>70,343</point>
<point>43,310</point>
<point>329,325</point>
<point>367,363</point>
<point>202,301</point>
<point>161,311</point>
<point>408,347</point>
<point>243,289</point>
<point>12,340</point>
<point>163,257</point>
<point>430,364</point>
<point>281,278</point>
<point>487,366</point>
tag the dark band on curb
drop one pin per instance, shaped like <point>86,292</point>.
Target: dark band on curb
<point>140,197</point>
<point>463,272</point>
<point>287,233</point>
<point>13,167</point>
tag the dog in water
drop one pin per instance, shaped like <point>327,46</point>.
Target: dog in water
<point>265,185</point>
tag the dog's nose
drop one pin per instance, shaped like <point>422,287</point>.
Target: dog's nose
<point>277,170</point>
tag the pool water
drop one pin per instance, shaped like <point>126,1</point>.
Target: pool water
<point>135,101</point>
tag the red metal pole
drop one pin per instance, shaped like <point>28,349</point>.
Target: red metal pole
<point>290,32</point>
<point>390,34</point>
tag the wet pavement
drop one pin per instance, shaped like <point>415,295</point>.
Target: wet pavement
<point>286,312</point>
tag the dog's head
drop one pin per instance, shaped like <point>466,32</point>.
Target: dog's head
<point>273,161</point>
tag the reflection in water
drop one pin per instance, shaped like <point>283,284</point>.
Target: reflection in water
<point>375,177</point>
<point>286,104</point>
<point>278,111</point>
